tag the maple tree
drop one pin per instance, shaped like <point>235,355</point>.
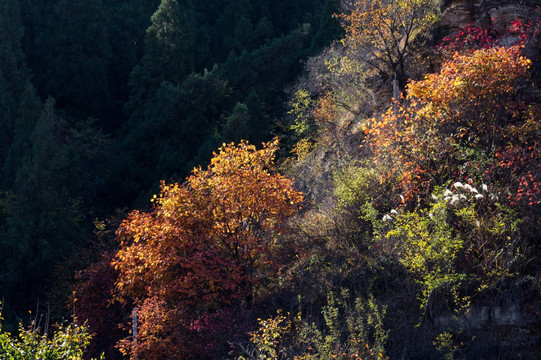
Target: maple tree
<point>454,123</point>
<point>207,243</point>
<point>92,306</point>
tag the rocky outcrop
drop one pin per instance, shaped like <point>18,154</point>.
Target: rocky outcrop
<point>510,328</point>
<point>503,14</point>
<point>485,13</point>
<point>495,14</point>
<point>459,14</point>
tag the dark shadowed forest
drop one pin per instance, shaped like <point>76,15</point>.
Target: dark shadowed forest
<point>323,179</point>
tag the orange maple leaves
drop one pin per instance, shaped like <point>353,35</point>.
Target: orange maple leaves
<point>207,242</point>
<point>453,121</point>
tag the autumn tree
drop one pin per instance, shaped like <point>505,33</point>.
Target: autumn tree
<point>455,122</point>
<point>384,32</point>
<point>381,36</point>
<point>208,243</point>
<point>92,306</point>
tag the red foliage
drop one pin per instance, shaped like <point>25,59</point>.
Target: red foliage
<point>469,38</point>
<point>206,245</point>
<point>92,305</point>
<point>456,123</point>
<point>519,162</point>
<point>518,32</point>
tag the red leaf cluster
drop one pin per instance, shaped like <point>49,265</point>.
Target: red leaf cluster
<point>206,245</point>
<point>455,123</point>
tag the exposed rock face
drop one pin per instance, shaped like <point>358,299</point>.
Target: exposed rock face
<point>459,14</point>
<point>503,15</point>
<point>510,328</point>
<point>496,13</point>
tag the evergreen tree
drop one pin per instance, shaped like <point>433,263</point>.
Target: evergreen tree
<point>163,139</point>
<point>233,30</point>
<point>268,68</point>
<point>128,22</point>
<point>328,27</point>
<point>41,223</point>
<point>168,50</point>
<point>263,30</point>
<point>28,109</point>
<point>47,209</point>
<point>19,104</point>
<point>75,53</point>
<point>12,64</point>
<point>236,124</point>
<point>258,122</point>
<point>247,121</point>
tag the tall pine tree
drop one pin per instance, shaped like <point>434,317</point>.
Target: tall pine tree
<point>146,139</point>
<point>168,51</point>
<point>48,208</point>
<point>19,104</point>
<point>75,53</point>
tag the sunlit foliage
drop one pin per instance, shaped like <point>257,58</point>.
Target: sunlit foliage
<point>68,342</point>
<point>384,31</point>
<point>207,243</point>
<point>453,124</point>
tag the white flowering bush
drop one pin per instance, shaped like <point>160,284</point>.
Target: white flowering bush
<point>465,234</point>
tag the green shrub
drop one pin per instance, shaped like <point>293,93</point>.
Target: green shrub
<point>351,329</point>
<point>68,342</point>
<point>464,234</point>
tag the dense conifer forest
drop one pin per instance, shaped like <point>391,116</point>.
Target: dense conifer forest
<point>323,179</point>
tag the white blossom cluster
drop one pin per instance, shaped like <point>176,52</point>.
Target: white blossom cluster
<point>462,192</point>
<point>465,192</point>
<point>388,217</point>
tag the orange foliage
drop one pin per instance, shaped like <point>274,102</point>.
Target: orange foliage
<point>383,31</point>
<point>453,122</point>
<point>206,244</point>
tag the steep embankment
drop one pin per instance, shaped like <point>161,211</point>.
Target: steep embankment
<point>476,125</point>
